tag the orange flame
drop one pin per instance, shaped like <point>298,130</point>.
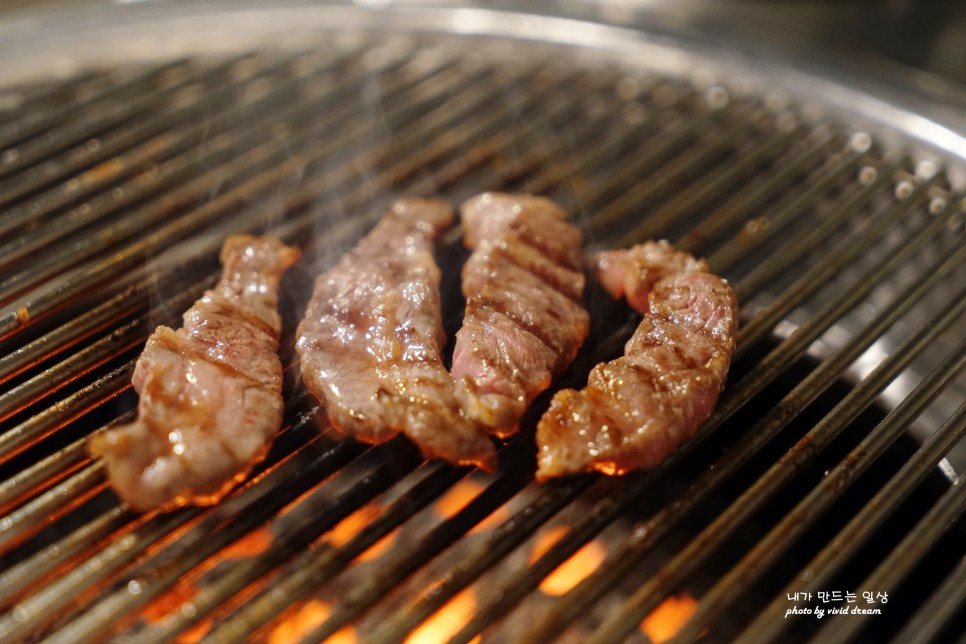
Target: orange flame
<point>447,621</point>
<point>666,620</point>
<point>573,570</point>
<point>353,525</point>
<point>169,602</point>
<point>196,633</point>
<point>253,543</point>
<point>459,496</point>
<point>306,619</point>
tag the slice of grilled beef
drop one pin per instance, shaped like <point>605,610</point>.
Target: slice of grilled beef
<point>210,392</point>
<point>371,341</point>
<point>524,318</point>
<point>636,410</point>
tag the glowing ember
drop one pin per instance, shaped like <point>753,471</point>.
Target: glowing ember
<point>575,569</point>
<point>447,621</point>
<point>666,620</point>
<point>353,524</point>
<point>196,633</point>
<point>460,496</point>
<point>169,602</point>
<point>254,543</point>
<point>304,621</point>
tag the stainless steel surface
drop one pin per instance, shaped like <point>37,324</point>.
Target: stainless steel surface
<point>129,150</point>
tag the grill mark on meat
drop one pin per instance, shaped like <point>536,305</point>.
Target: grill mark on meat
<point>210,392</point>
<point>636,410</point>
<point>370,342</point>
<point>524,319</point>
<point>207,352</point>
<point>505,254</point>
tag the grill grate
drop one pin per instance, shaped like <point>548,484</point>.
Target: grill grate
<point>118,187</point>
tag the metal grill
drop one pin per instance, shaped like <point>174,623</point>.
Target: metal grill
<point>825,468</point>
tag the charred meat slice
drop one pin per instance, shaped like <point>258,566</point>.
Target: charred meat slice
<point>210,392</point>
<point>524,319</point>
<point>370,342</point>
<point>636,410</point>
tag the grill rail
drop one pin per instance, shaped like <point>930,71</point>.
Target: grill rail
<point>117,188</point>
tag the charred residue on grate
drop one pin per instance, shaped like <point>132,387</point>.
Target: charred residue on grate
<point>121,184</point>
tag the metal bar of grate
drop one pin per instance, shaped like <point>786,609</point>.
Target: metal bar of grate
<point>26,103</point>
<point>513,530</point>
<point>61,413</point>
<point>272,155</point>
<point>94,162</point>
<point>861,528</point>
<point>240,578</point>
<point>34,515</point>
<point>601,150</point>
<point>37,121</point>
<point>55,377</point>
<point>773,185</point>
<point>28,572</point>
<point>164,568</point>
<point>681,149</point>
<point>871,181</point>
<point>248,508</point>
<point>897,565</point>
<point>817,147</point>
<point>318,566</point>
<point>41,475</point>
<point>851,249</point>
<point>820,498</point>
<point>50,381</point>
<point>946,601</point>
<point>62,338</point>
<point>82,140</point>
<point>174,146</point>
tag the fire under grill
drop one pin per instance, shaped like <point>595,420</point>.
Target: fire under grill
<point>827,479</point>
